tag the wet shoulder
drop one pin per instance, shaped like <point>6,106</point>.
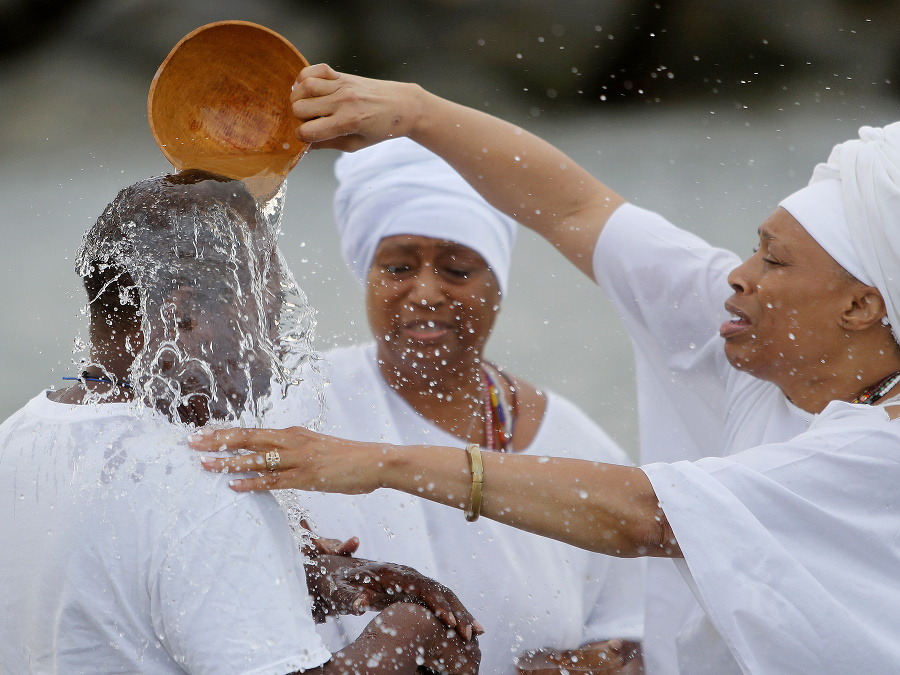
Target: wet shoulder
<point>146,450</point>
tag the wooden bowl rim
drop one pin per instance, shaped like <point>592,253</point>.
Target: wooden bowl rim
<point>206,27</point>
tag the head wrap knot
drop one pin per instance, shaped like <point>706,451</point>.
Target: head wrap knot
<point>399,187</point>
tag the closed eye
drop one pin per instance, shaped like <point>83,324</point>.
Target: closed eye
<point>458,272</point>
<point>396,269</point>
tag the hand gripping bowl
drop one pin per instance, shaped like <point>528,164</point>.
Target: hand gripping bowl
<point>221,102</point>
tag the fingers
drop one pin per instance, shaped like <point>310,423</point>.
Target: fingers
<point>320,71</point>
<point>268,481</point>
<point>336,546</point>
<point>349,547</point>
<point>448,608</point>
<point>349,599</point>
<point>461,618</point>
<point>257,440</point>
<point>349,112</point>
<point>436,597</point>
<point>269,454</point>
<point>240,464</point>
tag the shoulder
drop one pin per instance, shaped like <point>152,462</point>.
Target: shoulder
<point>844,440</point>
<point>841,416</point>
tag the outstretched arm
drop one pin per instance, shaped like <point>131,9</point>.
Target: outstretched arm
<point>517,172</point>
<point>606,508</point>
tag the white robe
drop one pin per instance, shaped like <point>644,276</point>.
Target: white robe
<point>792,549</point>
<point>527,591</point>
<point>121,555</point>
<point>670,286</point>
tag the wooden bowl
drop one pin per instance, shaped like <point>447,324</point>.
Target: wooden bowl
<point>221,102</point>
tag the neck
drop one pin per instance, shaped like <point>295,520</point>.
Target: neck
<point>845,381</point>
<point>450,397</point>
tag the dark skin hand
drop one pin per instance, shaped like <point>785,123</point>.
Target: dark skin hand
<point>404,638</point>
<point>344,585</point>
<point>341,584</point>
<point>610,657</point>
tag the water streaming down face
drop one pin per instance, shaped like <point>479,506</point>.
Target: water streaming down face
<point>186,285</point>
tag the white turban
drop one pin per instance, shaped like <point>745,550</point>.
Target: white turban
<point>852,209</point>
<point>399,187</point>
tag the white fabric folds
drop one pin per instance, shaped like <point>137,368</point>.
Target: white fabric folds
<point>399,187</point>
<point>867,171</point>
<point>819,208</point>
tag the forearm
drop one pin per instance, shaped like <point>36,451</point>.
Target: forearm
<point>516,171</point>
<point>606,508</point>
<point>520,174</point>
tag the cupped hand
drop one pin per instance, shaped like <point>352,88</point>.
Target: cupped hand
<point>306,460</point>
<point>361,585</point>
<point>349,112</point>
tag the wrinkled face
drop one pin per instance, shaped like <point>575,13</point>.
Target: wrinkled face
<point>431,304</point>
<point>787,307</point>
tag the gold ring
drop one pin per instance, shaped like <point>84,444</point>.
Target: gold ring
<point>273,460</point>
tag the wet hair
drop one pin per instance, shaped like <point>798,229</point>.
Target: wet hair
<point>149,225</point>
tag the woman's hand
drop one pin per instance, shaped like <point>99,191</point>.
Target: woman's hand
<point>348,112</point>
<point>306,460</point>
<point>610,657</point>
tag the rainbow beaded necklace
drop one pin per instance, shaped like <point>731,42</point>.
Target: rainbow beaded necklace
<point>500,411</point>
<point>870,396</point>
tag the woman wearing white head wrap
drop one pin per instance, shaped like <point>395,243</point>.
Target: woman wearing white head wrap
<point>434,258</point>
<point>773,463</point>
<point>399,187</point>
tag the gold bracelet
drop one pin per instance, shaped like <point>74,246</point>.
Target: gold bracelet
<point>477,467</point>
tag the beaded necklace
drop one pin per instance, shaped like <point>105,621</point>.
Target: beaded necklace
<point>499,412</point>
<point>870,396</point>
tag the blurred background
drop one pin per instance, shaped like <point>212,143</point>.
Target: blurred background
<point>707,111</point>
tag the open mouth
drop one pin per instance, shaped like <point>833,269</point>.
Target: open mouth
<point>425,331</point>
<point>738,323</point>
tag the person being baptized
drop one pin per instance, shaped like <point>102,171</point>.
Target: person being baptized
<point>119,549</point>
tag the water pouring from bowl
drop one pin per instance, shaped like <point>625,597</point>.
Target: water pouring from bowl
<point>220,102</point>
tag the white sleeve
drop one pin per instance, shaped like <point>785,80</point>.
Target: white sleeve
<point>792,548</point>
<point>669,287</point>
<point>231,596</point>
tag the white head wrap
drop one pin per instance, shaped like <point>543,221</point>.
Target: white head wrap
<point>399,187</point>
<point>852,209</point>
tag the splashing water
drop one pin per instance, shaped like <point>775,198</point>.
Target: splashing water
<point>187,287</point>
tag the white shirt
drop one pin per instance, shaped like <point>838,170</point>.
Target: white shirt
<point>670,287</point>
<point>120,554</point>
<point>527,591</point>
